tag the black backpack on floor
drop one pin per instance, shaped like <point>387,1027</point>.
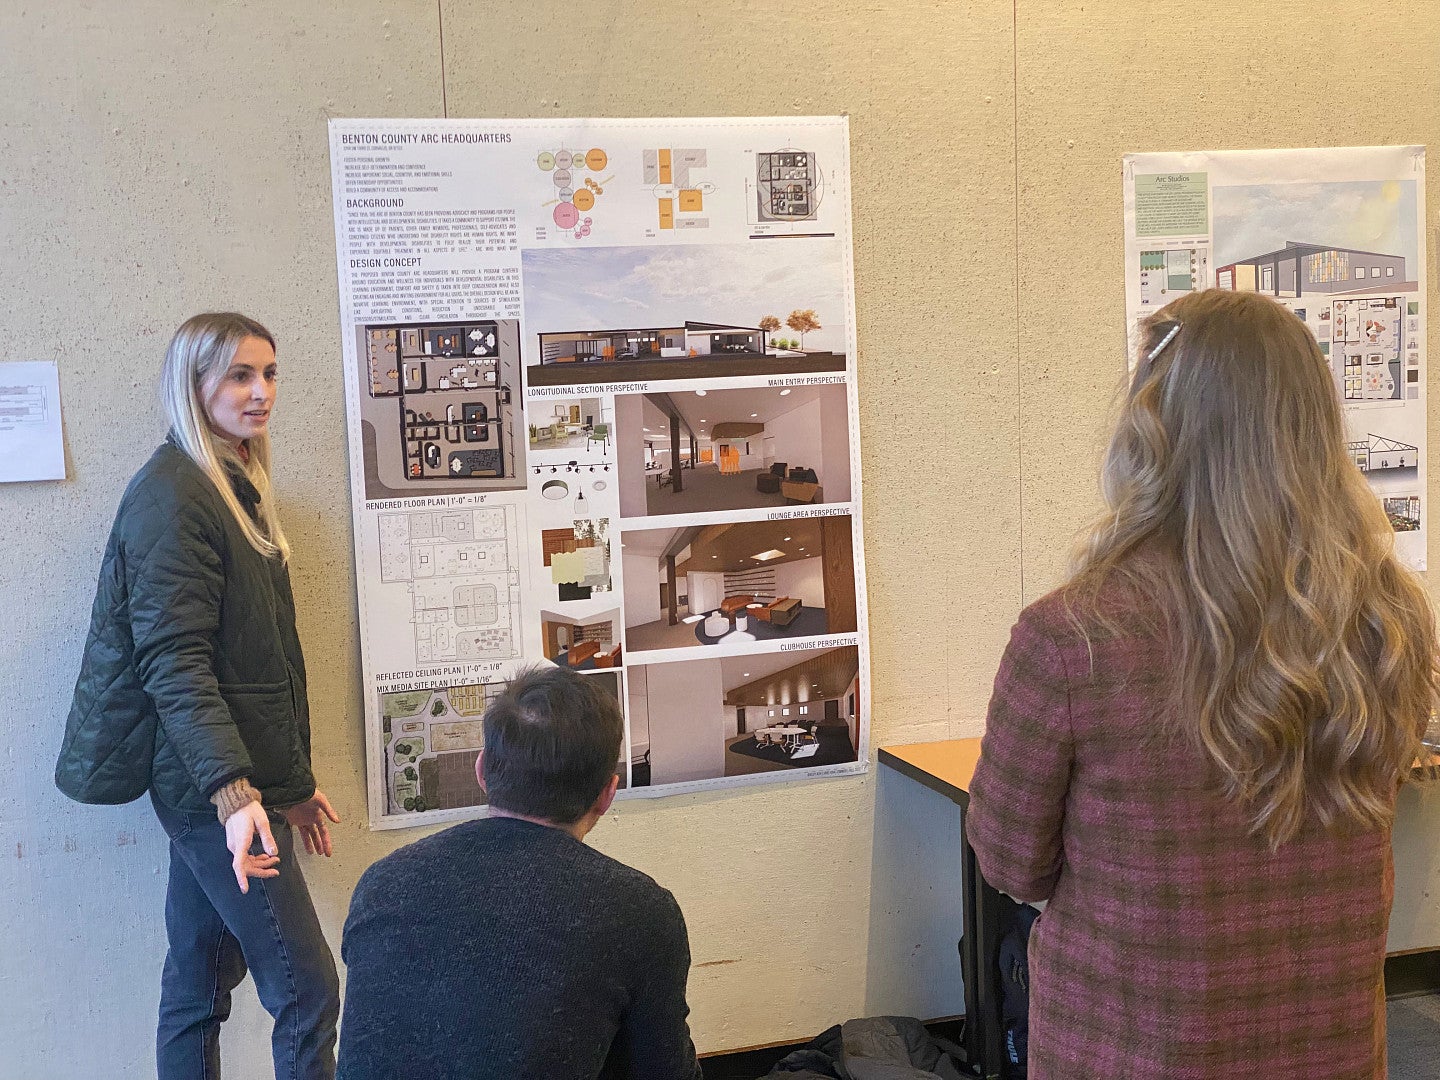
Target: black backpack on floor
<point>1014,967</point>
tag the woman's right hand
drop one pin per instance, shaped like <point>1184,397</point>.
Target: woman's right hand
<point>241,828</point>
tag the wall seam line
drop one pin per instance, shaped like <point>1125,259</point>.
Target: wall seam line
<point>440,20</point>
<point>1019,378</point>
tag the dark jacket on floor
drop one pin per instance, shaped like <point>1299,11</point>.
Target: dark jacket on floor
<point>192,674</point>
<point>875,1048</point>
<point>505,950</point>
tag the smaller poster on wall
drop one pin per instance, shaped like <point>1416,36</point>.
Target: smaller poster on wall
<point>1336,235</point>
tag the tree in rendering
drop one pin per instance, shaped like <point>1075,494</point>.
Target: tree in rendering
<point>803,322</point>
<point>770,324</point>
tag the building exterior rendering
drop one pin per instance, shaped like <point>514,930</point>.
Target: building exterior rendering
<point>1307,269</point>
<point>652,343</point>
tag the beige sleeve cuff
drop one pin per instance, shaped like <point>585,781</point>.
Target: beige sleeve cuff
<point>234,796</point>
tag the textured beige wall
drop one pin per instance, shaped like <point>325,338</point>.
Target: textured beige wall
<point>173,158</point>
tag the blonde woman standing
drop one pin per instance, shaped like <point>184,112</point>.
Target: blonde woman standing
<point>192,687</point>
<point>1194,746</point>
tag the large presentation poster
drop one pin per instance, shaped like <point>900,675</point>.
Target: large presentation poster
<point>600,388</point>
<point>1336,235</point>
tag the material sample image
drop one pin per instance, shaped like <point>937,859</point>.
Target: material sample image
<point>577,558</point>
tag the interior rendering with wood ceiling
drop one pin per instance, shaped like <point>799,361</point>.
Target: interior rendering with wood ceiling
<point>738,583</point>
<point>737,715</point>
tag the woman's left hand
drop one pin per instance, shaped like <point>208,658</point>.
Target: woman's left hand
<point>308,818</point>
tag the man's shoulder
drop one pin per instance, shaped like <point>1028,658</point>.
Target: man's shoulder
<point>637,886</point>
<point>496,840</point>
<point>439,848</point>
<point>506,866</point>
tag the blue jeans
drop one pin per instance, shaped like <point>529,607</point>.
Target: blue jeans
<point>216,932</point>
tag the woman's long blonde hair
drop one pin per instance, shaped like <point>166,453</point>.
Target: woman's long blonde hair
<point>197,359</point>
<point>1304,654</point>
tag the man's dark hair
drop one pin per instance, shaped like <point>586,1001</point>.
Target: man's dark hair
<point>552,741</point>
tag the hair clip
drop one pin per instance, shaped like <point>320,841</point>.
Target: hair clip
<point>1169,337</point>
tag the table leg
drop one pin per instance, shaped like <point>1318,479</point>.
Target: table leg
<point>979,967</point>
<point>970,957</point>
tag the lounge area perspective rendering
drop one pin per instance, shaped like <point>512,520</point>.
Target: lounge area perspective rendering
<point>732,584</point>
<point>736,715</point>
<point>582,642</point>
<point>696,451</point>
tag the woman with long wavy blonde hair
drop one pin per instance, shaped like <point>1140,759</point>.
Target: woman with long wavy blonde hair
<point>1195,745</point>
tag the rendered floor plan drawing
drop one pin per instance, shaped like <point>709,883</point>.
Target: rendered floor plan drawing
<point>441,402</point>
<point>1366,339</point>
<point>679,197</point>
<point>787,185</point>
<point>462,568</point>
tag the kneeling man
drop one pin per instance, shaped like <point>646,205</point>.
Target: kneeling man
<point>508,948</point>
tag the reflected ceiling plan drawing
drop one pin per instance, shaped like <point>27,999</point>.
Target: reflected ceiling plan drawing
<point>463,569</point>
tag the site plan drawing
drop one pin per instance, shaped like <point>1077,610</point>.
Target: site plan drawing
<point>600,390</point>
<point>432,738</point>
<point>1335,235</point>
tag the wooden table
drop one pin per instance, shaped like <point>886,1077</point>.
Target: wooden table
<point>947,768</point>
